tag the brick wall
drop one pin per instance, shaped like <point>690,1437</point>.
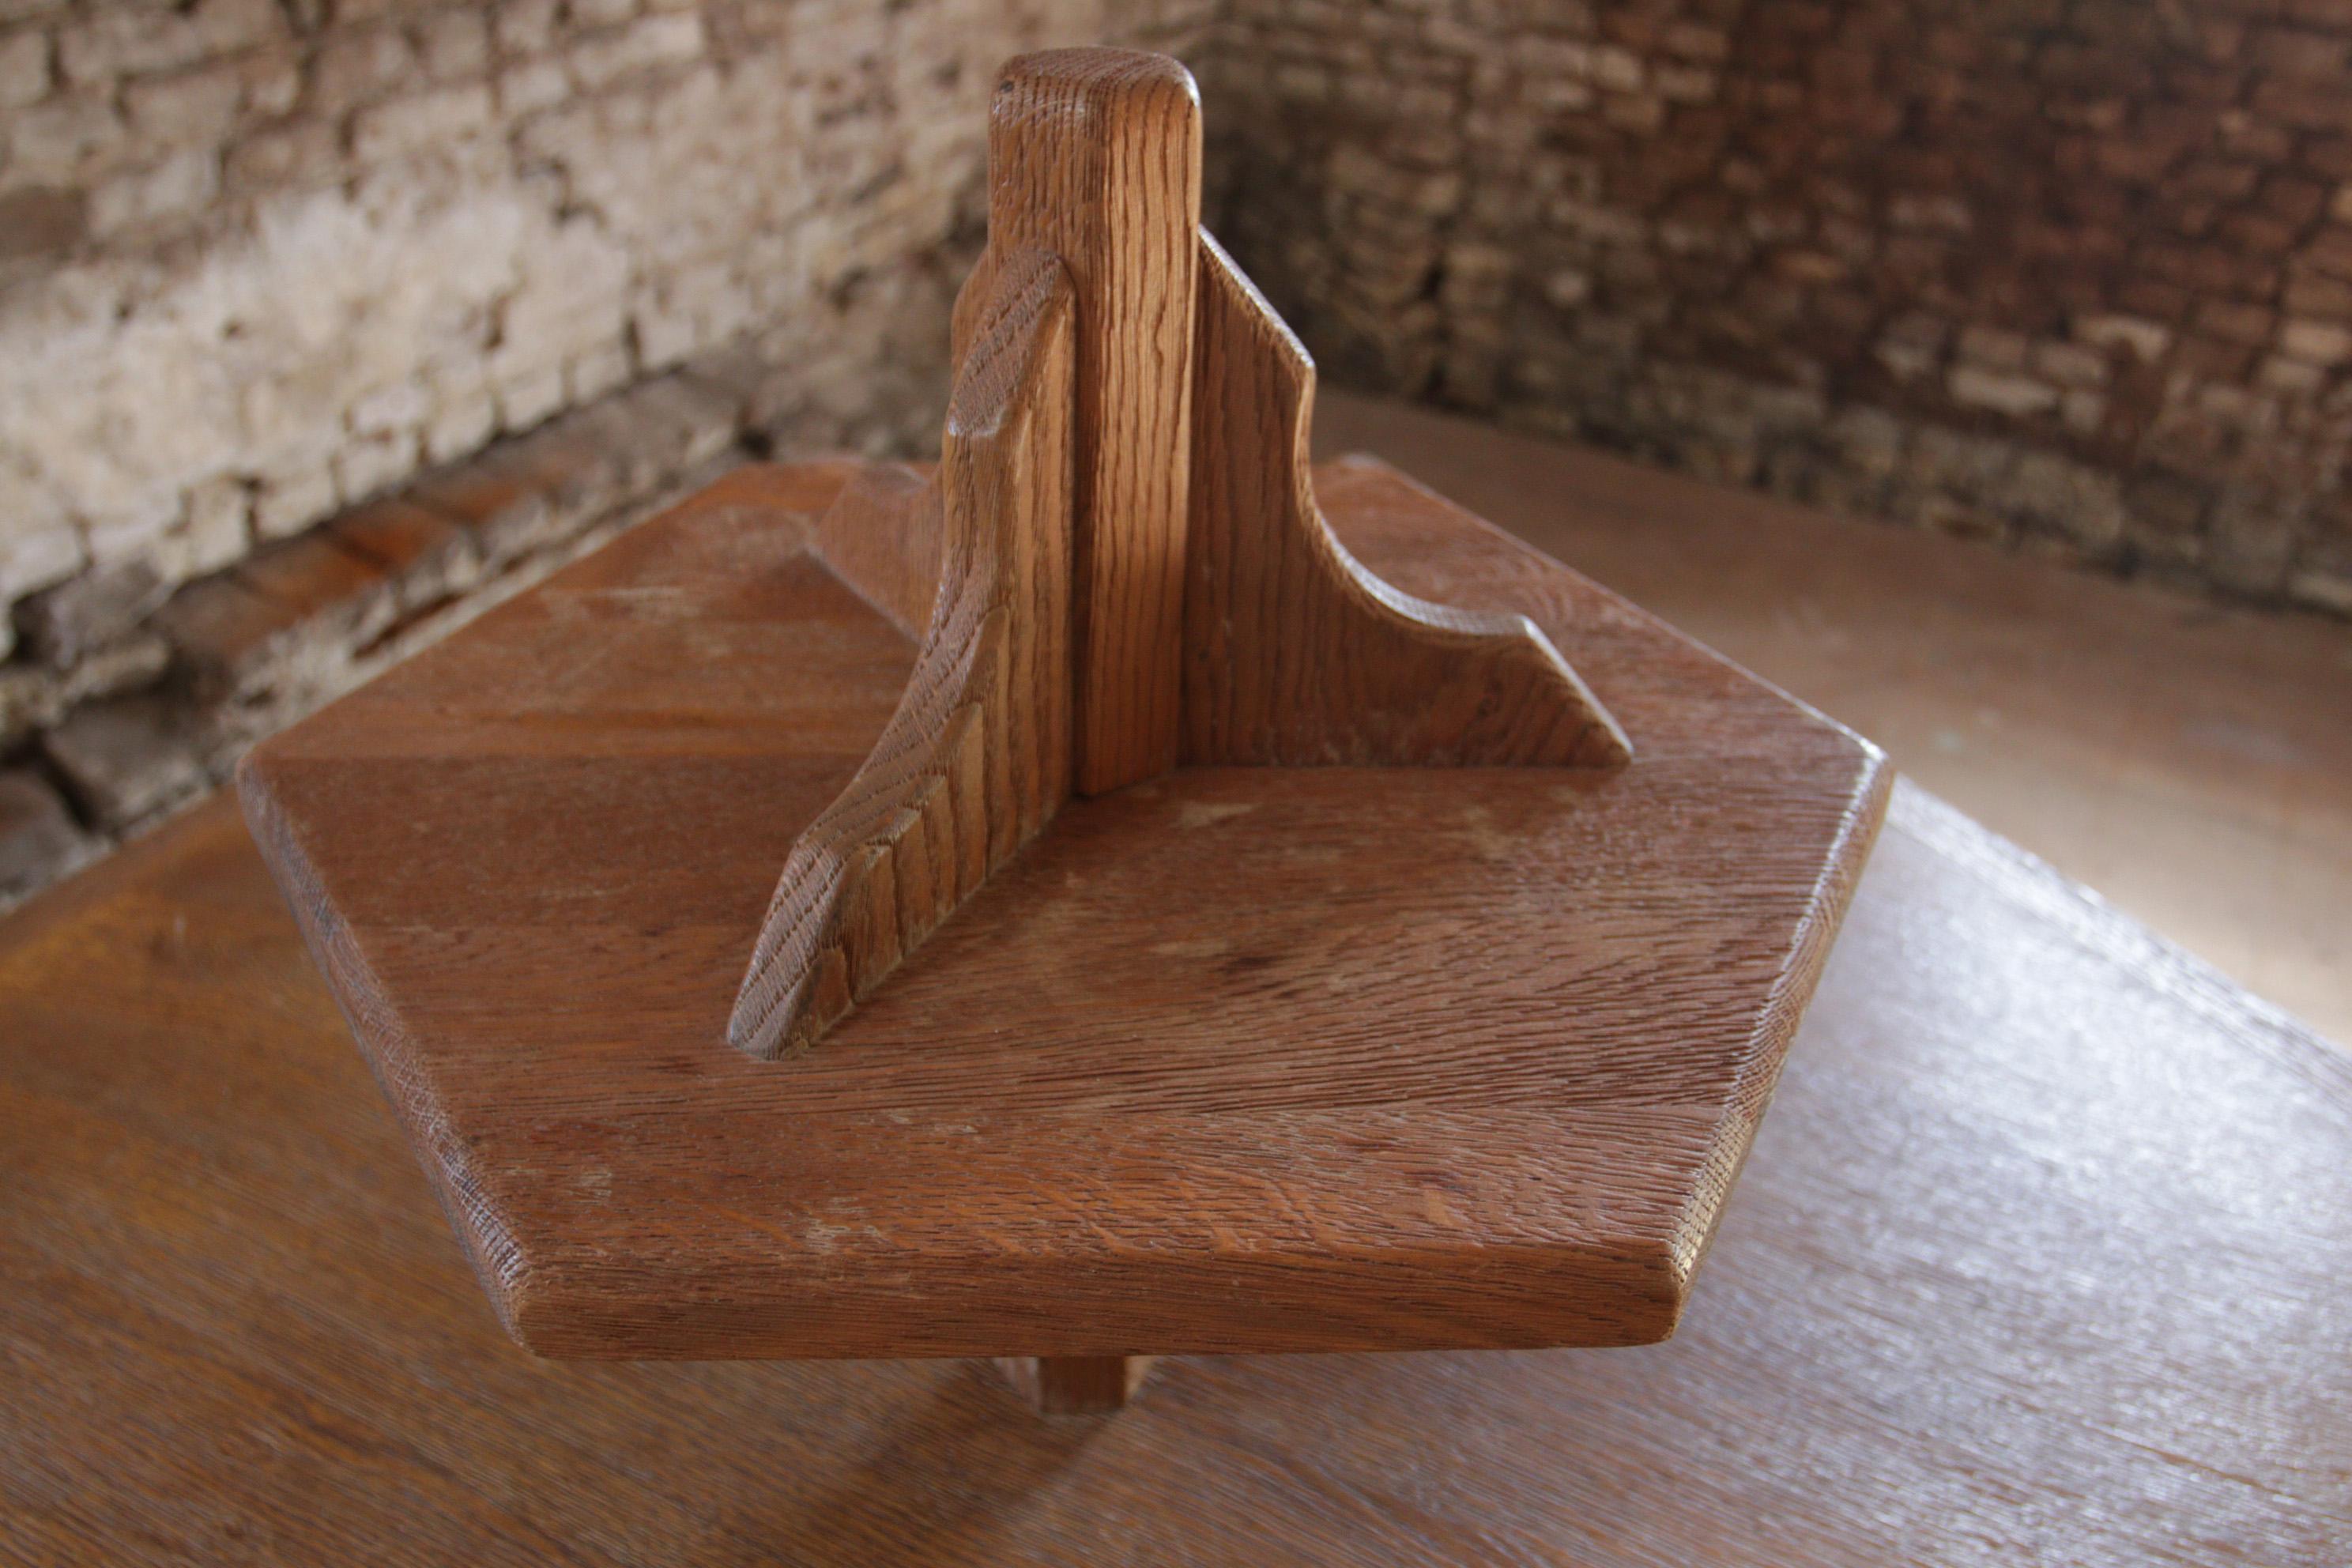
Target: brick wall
<point>325,323</point>
<point>2073,274</point>
<point>294,296</point>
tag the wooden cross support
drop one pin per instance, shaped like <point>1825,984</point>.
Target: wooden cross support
<point>1131,573</point>
<point>1206,946</point>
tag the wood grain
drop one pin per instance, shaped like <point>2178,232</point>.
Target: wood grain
<point>1240,1058</point>
<point>1294,654</point>
<point>2039,1260</point>
<point>976,759</point>
<point>1285,652</point>
<point>2211,804</point>
<point>1095,156</point>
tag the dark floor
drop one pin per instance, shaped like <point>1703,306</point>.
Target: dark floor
<point>2189,761</point>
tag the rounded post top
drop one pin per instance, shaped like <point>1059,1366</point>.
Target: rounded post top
<point>1094,155</point>
<point>1096,77</point>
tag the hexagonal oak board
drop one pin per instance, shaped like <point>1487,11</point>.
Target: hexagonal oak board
<point>1239,1060</point>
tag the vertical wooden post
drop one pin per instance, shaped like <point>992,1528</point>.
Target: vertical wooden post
<point>1095,156</point>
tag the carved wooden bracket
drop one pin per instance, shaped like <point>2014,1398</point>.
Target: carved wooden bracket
<point>1119,566</point>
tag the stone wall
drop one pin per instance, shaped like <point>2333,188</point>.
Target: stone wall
<point>2074,274</point>
<point>288,287</point>
<point>326,323</point>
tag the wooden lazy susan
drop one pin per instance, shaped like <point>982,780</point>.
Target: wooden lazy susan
<point>1221,907</point>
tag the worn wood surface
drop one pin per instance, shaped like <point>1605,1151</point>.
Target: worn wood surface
<point>1241,1058</point>
<point>2041,1258</point>
<point>976,758</point>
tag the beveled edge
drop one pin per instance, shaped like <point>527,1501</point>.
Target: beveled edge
<point>561,1299</point>
<point>498,1256</point>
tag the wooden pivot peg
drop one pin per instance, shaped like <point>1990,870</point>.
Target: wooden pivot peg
<point>1127,568</point>
<point>1076,1385</point>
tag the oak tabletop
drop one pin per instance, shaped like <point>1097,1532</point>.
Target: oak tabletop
<point>1236,1059</point>
<point>2040,1256</point>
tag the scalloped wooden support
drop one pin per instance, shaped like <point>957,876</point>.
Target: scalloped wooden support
<point>1124,563</point>
<point>977,757</point>
<point>1293,655</point>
